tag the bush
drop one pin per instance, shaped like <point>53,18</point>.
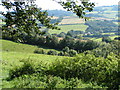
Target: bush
<point>106,39</point>
<point>26,68</point>
<point>39,51</point>
<point>88,68</point>
<point>66,49</point>
<point>52,52</point>
<point>61,53</point>
<point>72,53</point>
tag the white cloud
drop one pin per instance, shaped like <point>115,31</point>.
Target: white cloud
<point>105,2</point>
<point>50,4</point>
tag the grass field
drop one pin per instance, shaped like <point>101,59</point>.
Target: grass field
<point>12,59</point>
<point>66,28</point>
<point>18,47</point>
<point>13,53</point>
<point>100,39</point>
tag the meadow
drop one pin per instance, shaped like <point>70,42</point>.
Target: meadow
<point>22,68</point>
<point>18,47</point>
<point>14,53</point>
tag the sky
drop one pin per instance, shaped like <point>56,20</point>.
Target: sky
<point>50,4</point>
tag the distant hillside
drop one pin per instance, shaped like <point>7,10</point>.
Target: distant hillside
<point>101,11</point>
<point>59,13</point>
<point>106,8</point>
<point>109,12</point>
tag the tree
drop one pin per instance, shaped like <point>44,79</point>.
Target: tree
<point>106,39</point>
<point>66,49</point>
<point>22,17</point>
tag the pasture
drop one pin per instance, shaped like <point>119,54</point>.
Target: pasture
<point>66,28</point>
<point>10,46</point>
<point>14,53</point>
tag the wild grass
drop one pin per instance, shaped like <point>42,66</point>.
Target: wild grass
<point>18,47</point>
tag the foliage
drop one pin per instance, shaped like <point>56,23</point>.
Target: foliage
<point>101,26</point>
<point>105,49</point>
<point>26,68</point>
<point>52,52</point>
<point>79,10</point>
<point>68,52</point>
<point>67,73</point>
<point>88,68</point>
<point>66,49</point>
<point>21,19</point>
<point>106,39</point>
<point>72,53</point>
<point>39,51</point>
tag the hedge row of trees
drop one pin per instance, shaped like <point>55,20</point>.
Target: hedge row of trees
<point>99,26</point>
<point>65,52</point>
<point>54,42</point>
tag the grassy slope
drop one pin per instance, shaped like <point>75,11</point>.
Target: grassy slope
<point>12,54</point>
<point>10,59</point>
<point>18,47</point>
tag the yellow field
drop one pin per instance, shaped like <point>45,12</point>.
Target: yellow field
<point>71,20</point>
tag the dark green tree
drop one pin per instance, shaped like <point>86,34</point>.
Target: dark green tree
<point>21,20</point>
<point>106,39</point>
<point>66,49</point>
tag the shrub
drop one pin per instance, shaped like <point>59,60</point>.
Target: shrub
<point>61,53</point>
<point>72,53</point>
<point>26,68</point>
<point>66,49</point>
<point>52,52</point>
<point>88,68</point>
<point>39,51</point>
<point>106,39</point>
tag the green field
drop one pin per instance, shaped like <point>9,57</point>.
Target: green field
<point>66,28</point>
<point>18,47</point>
<point>14,53</point>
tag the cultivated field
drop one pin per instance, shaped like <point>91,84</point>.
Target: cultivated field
<point>71,20</point>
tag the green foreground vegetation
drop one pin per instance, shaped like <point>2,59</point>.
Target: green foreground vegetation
<point>79,63</point>
<point>13,53</point>
<point>28,70</point>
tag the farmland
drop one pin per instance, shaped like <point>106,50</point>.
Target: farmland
<point>66,28</point>
<point>84,55</point>
<point>71,20</point>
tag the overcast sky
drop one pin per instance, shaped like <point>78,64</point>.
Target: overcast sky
<point>50,4</point>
